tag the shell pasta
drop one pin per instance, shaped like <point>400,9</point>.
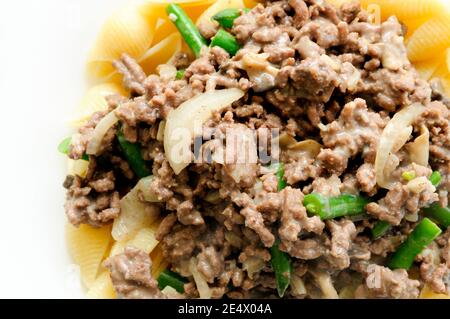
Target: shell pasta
<point>127,31</point>
<point>88,247</point>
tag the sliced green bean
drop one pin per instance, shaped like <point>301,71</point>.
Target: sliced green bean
<point>180,74</point>
<point>435,178</point>
<point>226,41</point>
<point>440,215</point>
<point>132,152</point>
<point>380,228</point>
<point>423,235</point>
<point>172,279</point>
<point>186,27</point>
<point>64,148</point>
<point>227,16</point>
<point>279,173</point>
<point>333,207</point>
<point>281,264</point>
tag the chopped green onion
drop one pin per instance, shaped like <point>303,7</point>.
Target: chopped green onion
<point>409,176</point>
<point>435,178</point>
<point>281,264</point>
<point>333,207</point>
<point>64,148</point>
<point>423,235</point>
<point>226,41</point>
<point>132,152</point>
<point>186,27</point>
<point>380,228</point>
<point>226,17</point>
<point>172,279</point>
<point>440,215</point>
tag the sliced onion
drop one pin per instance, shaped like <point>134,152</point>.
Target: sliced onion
<point>253,265</point>
<point>419,150</point>
<point>233,239</point>
<point>259,70</point>
<point>298,287</point>
<point>392,139</point>
<point>160,133</point>
<point>189,116</point>
<point>100,131</point>
<point>134,213</point>
<point>325,283</point>
<point>200,281</point>
<point>285,140</point>
<point>310,147</point>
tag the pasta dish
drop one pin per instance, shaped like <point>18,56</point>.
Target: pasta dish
<point>277,149</point>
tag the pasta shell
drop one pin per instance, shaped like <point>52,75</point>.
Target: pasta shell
<point>442,69</point>
<point>193,8</point>
<point>430,39</point>
<point>427,293</point>
<point>407,10</point>
<point>94,101</point>
<point>426,68</point>
<point>102,288</point>
<point>413,24</point>
<point>164,28</point>
<point>126,31</point>
<point>158,262</point>
<point>250,3</point>
<point>117,248</point>
<point>88,246</point>
<point>161,53</point>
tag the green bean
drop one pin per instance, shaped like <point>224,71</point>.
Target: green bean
<point>186,27</point>
<point>226,41</point>
<point>281,264</point>
<point>380,228</point>
<point>64,148</point>
<point>279,173</point>
<point>132,152</point>
<point>435,178</point>
<point>440,215</point>
<point>333,207</point>
<point>180,74</point>
<point>226,17</point>
<point>423,235</point>
<point>172,279</point>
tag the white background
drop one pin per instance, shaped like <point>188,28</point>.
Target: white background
<point>43,46</point>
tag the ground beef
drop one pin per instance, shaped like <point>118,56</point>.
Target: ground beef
<point>356,131</point>
<point>133,75</point>
<point>342,235</point>
<point>94,203</point>
<point>131,275</point>
<point>381,282</point>
<point>436,276</point>
<point>210,263</point>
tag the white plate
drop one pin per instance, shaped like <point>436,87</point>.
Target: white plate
<point>43,46</point>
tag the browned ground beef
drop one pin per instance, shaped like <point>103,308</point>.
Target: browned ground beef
<point>330,84</point>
